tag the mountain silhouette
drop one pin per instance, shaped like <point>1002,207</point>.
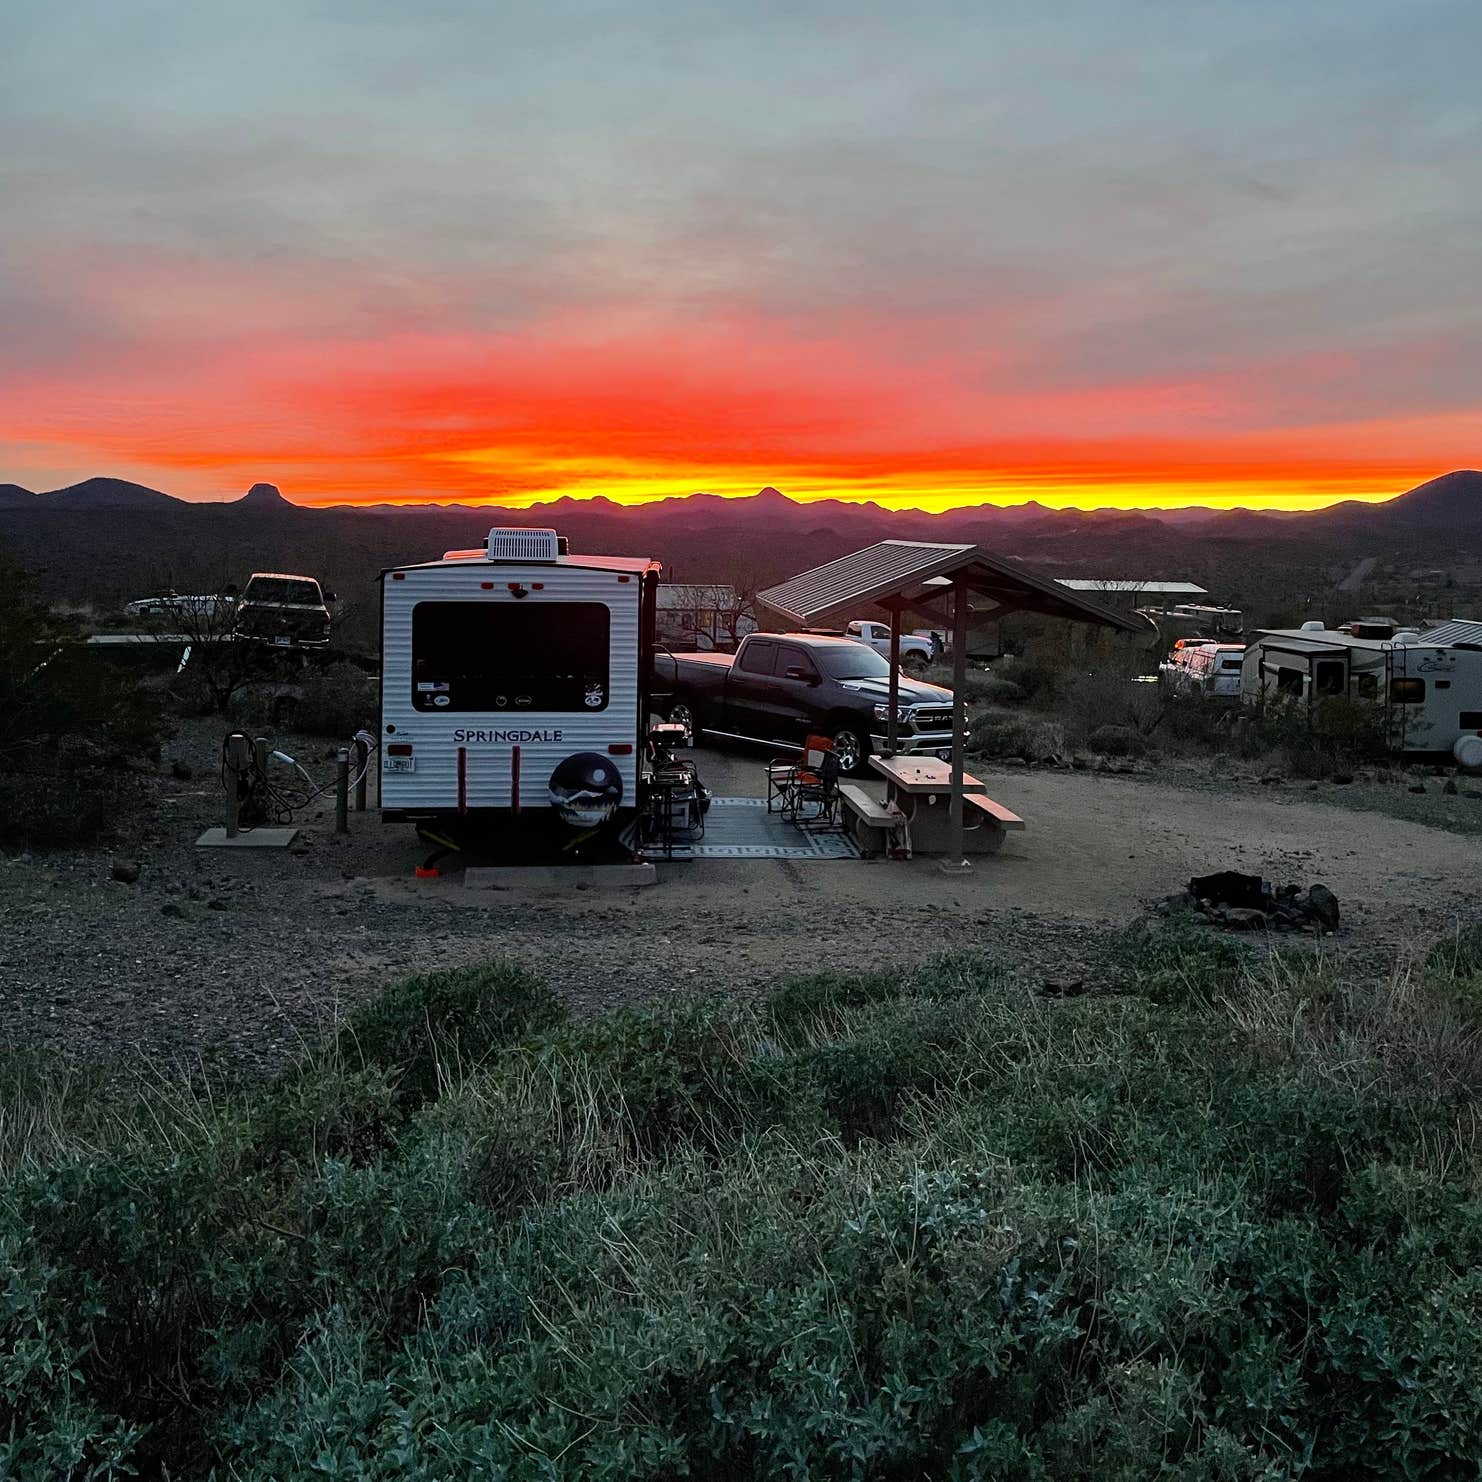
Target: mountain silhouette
<point>263,497</point>
<point>1451,502</point>
<point>160,541</point>
<point>101,493</point>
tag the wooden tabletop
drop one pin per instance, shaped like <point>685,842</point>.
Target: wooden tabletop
<point>921,774</point>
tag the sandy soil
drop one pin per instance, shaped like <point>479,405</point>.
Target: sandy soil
<point>246,954</point>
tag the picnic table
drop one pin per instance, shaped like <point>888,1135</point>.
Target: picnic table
<point>920,775</point>
<point>917,808</point>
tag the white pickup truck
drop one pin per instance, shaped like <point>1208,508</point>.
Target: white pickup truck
<point>916,652</point>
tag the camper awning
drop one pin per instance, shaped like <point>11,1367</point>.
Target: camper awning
<point>916,575</point>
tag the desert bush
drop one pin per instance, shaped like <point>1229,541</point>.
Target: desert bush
<point>1173,961</point>
<point>1458,955</point>
<point>1335,734</point>
<point>71,728</point>
<point>1091,700</point>
<point>337,701</point>
<point>687,1074</point>
<point>931,1225</point>
<point>1117,741</point>
<point>66,809</point>
<point>431,1031</point>
<point>997,735</point>
<point>979,686</point>
<point>1196,721</point>
<point>1040,680</point>
<point>992,690</point>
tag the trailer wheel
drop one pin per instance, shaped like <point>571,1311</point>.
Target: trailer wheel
<point>682,713</point>
<point>850,751</point>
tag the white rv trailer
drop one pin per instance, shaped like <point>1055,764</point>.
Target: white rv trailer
<point>1429,684</point>
<point>514,681</point>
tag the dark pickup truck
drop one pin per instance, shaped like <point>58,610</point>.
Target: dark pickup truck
<point>286,611</point>
<point>781,687</point>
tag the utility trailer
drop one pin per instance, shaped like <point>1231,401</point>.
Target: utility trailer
<point>515,693</point>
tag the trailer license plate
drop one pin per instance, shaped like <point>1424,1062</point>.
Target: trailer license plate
<point>282,640</point>
<point>401,764</point>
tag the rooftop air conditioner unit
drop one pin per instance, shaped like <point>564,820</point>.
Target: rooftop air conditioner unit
<point>524,545</point>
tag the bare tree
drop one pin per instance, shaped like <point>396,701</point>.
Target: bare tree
<point>220,662</point>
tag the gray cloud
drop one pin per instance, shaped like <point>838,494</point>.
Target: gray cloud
<point>1086,191</point>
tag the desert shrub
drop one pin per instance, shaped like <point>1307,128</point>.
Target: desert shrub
<point>1117,741</point>
<point>693,1073</point>
<point>65,809</point>
<point>337,701</point>
<point>1335,734</point>
<point>968,970</point>
<point>1039,680</point>
<point>1458,955</point>
<point>1196,721</point>
<point>892,1055</point>
<point>1173,961</point>
<point>940,1227</point>
<point>979,686</point>
<point>992,690</point>
<point>1091,700</point>
<point>432,1030</point>
<point>333,1111</point>
<point>71,727</point>
<point>998,735</point>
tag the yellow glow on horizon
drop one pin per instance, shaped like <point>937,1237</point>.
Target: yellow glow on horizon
<point>544,480</point>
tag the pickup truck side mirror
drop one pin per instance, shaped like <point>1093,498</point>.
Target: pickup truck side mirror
<point>330,597</point>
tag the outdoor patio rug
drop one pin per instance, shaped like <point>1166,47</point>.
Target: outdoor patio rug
<point>741,828</point>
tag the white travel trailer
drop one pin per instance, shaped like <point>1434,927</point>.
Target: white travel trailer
<point>514,686</point>
<point>1428,684</point>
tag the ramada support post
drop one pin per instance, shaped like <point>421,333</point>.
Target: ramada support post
<point>894,698</point>
<point>956,862</point>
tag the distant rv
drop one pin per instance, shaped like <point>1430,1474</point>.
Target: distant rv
<point>1428,685</point>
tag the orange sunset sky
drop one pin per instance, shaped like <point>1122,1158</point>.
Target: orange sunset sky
<point>1099,253</point>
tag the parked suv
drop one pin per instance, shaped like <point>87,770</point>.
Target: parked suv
<point>286,611</point>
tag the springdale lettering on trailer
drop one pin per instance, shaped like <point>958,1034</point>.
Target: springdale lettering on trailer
<point>463,736</point>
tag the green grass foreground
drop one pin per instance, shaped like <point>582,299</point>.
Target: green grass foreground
<point>1219,1218</point>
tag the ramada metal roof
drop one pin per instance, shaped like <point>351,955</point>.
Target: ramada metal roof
<point>916,572</point>
<point>1149,588</point>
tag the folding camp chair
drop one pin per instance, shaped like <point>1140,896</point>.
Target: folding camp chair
<point>805,789</point>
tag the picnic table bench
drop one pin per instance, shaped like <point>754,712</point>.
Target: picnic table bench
<point>916,811</point>
<point>874,824</point>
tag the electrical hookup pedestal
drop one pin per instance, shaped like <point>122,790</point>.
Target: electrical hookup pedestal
<point>243,757</point>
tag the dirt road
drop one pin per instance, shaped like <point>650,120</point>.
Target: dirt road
<point>246,954</point>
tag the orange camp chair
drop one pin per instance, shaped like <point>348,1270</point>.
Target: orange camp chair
<point>806,789</point>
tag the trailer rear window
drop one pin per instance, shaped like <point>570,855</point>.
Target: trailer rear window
<point>517,656</point>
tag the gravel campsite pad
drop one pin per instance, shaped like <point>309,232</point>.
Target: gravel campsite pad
<point>247,954</point>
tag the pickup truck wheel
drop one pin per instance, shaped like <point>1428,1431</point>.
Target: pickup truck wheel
<point>914,662</point>
<point>850,751</point>
<point>681,713</point>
